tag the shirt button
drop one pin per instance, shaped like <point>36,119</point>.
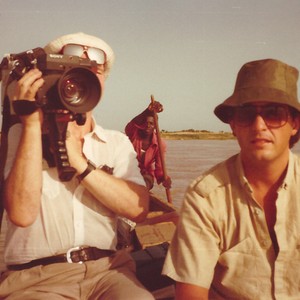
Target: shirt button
<point>257,211</point>
<point>77,224</point>
<point>265,243</point>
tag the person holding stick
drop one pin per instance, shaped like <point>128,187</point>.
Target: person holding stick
<point>142,133</point>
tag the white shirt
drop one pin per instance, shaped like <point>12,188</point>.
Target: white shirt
<point>70,216</point>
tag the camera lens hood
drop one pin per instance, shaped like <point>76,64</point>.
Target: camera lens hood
<point>79,90</point>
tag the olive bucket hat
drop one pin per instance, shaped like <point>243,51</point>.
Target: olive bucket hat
<point>266,80</point>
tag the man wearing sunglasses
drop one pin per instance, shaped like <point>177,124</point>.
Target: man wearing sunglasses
<point>239,231</point>
<point>61,238</point>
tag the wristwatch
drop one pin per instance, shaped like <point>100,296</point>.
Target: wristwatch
<point>91,167</point>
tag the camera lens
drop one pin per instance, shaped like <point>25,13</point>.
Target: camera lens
<point>72,91</point>
<point>79,90</point>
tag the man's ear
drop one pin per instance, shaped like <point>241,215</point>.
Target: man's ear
<point>296,124</point>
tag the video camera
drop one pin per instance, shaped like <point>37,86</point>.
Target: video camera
<point>71,89</point>
<point>70,81</point>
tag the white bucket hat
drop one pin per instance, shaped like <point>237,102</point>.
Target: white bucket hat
<point>81,38</point>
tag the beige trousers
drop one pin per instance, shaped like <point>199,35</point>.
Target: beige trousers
<point>104,279</point>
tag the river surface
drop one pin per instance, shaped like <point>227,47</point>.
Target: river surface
<point>187,159</point>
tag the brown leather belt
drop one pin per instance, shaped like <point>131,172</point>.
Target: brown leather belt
<point>73,255</point>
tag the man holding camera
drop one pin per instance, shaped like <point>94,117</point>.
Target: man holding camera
<point>61,239</point>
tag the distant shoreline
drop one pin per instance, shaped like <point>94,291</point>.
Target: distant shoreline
<point>192,134</point>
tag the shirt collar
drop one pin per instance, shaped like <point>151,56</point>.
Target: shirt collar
<point>285,183</point>
<point>240,170</point>
<point>97,131</point>
<point>290,172</point>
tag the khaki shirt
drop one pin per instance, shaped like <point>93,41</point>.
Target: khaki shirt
<point>222,240</point>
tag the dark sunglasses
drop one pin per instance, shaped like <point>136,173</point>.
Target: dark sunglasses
<point>274,115</point>
<point>93,53</point>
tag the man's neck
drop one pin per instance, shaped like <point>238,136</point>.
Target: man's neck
<point>266,177</point>
<point>268,171</point>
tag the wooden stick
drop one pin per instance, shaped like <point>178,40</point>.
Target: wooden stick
<point>160,151</point>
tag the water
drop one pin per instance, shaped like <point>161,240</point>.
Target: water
<point>187,159</point>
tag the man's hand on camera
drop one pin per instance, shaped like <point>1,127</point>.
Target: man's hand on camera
<point>74,144</point>
<point>26,89</point>
<point>28,85</point>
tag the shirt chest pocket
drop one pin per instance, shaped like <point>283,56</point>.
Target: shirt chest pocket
<point>244,254</point>
<point>244,268</point>
<point>291,270</point>
<point>52,186</point>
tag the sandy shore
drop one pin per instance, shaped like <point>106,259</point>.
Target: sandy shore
<point>196,135</point>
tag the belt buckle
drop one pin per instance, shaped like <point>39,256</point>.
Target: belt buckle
<point>68,255</point>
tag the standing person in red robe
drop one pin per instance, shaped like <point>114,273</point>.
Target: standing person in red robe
<point>141,132</point>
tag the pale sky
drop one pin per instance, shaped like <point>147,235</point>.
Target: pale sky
<point>185,52</point>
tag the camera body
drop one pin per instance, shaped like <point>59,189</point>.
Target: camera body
<point>70,81</point>
<point>71,89</point>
